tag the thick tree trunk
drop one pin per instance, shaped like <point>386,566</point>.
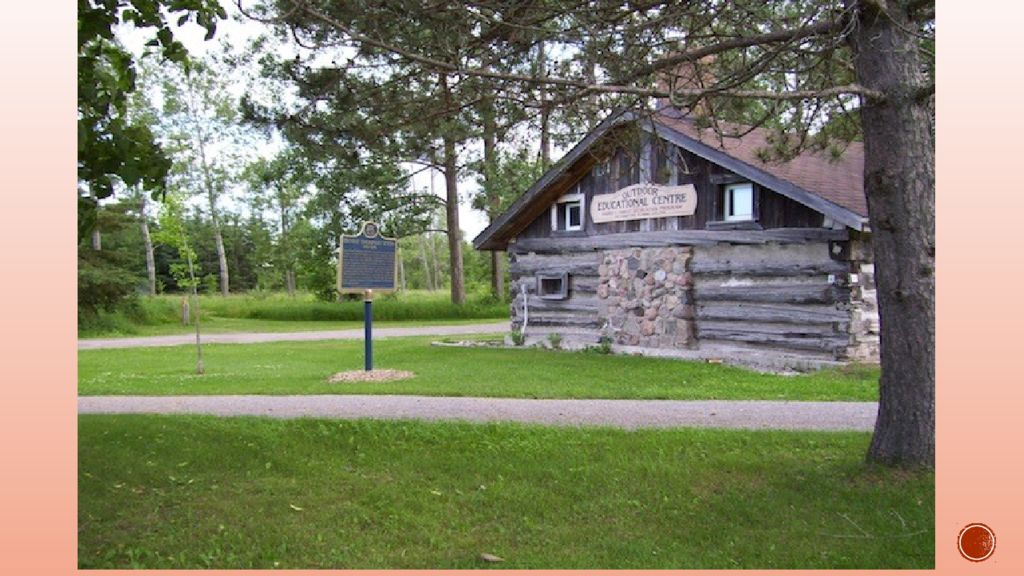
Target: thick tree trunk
<point>147,243</point>
<point>899,177</point>
<point>97,239</point>
<point>454,234</point>
<point>492,196</point>
<point>451,181</point>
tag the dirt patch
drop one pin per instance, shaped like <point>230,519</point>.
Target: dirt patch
<point>371,376</point>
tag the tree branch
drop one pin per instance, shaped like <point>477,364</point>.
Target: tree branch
<point>818,29</point>
<point>610,88</point>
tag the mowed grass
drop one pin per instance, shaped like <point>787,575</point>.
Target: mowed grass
<point>275,312</point>
<point>203,492</point>
<point>224,325</point>
<point>304,367</point>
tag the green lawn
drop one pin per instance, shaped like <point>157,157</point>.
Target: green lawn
<point>303,368</point>
<point>226,325</point>
<point>275,312</point>
<point>203,492</point>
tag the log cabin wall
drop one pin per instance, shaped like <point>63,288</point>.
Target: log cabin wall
<point>791,297</point>
<point>782,282</point>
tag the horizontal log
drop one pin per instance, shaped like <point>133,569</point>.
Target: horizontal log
<point>567,321</point>
<point>727,225</point>
<point>778,294</point>
<point>579,269</point>
<point>581,264</point>
<point>832,345</point>
<point>791,314</point>
<point>567,331</point>
<point>787,330</point>
<point>569,305</point>
<point>676,237</point>
<point>761,269</point>
<point>583,285</point>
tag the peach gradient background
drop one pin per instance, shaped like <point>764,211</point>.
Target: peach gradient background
<point>980,201</point>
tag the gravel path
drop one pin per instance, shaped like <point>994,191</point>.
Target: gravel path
<point>621,413</point>
<point>253,337</point>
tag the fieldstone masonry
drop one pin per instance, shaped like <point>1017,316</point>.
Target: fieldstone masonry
<point>646,296</point>
<point>864,331</point>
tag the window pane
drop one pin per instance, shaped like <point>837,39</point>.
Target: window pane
<point>574,214</point>
<point>739,202</point>
<point>742,202</point>
<point>560,219</point>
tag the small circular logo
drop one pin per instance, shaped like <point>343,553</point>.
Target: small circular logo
<point>370,230</point>
<point>976,542</point>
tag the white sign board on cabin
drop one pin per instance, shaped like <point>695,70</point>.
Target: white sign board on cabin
<point>641,201</point>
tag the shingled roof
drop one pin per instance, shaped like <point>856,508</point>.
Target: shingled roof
<point>838,180</point>
<point>832,186</point>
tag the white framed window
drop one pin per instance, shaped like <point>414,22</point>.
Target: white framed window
<point>739,202</point>
<point>567,212</point>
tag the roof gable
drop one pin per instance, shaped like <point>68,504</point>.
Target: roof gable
<point>839,181</point>
<point>834,188</point>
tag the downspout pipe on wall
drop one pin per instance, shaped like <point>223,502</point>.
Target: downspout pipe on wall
<point>526,308</point>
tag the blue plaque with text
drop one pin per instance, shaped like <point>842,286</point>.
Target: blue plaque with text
<point>367,262</point>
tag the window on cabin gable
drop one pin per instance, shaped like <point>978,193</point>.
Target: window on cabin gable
<point>738,202</point>
<point>567,212</point>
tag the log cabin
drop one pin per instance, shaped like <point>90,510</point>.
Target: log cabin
<point>658,236</point>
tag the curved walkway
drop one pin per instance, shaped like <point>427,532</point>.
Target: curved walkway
<point>620,413</point>
<point>254,337</point>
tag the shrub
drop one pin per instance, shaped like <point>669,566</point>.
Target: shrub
<point>604,346</point>
<point>555,339</point>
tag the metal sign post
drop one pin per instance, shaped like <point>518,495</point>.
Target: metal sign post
<point>367,262</point>
<point>368,330</point>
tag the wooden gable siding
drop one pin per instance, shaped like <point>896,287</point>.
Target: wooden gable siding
<point>665,163</point>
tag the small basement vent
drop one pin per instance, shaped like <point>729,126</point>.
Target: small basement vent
<point>553,286</point>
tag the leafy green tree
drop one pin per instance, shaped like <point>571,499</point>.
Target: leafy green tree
<point>416,115</point>
<point>279,184</point>
<point>173,233</point>
<point>113,149</point>
<point>200,122</point>
<point>108,271</point>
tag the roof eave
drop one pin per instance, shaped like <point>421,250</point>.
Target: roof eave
<point>784,187</point>
<point>495,236</point>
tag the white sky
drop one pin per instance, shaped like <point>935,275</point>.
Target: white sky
<point>238,32</point>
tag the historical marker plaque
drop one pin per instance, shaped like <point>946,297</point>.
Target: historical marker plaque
<point>367,262</point>
<point>641,201</point>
